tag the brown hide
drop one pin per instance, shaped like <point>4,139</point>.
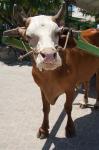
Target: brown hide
<point>78,66</point>
<point>92,36</point>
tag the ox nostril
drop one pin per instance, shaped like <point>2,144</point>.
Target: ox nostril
<point>43,55</point>
<point>54,55</point>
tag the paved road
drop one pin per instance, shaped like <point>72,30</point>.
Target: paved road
<point>21,116</point>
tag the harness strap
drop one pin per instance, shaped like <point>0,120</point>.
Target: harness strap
<point>86,46</point>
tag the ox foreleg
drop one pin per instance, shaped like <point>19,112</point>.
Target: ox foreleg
<point>84,103</point>
<point>43,130</point>
<point>96,106</point>
<point>70,129</point>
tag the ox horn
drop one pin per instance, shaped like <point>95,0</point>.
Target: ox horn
<point>60,13</point>
<point>23,19</point>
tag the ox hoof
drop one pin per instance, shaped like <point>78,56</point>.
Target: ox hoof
<point>42,134</point>
<point>83,106</point>
<point>70,132</point>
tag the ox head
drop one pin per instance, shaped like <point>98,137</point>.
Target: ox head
<point>42,34</point>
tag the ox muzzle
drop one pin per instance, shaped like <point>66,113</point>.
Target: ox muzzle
<point>48,59</point>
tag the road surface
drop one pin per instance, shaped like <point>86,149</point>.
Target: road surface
<point>21,115</point>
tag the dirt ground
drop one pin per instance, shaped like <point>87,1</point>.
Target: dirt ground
<point>21,115</point>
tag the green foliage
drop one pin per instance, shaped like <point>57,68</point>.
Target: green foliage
<point>6,10</point>
<point>31,7</point>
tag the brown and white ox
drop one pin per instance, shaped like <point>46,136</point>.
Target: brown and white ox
<point>56,70</point>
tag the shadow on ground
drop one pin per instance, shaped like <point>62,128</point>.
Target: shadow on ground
<point>17,63</point>
<point>87,134</point>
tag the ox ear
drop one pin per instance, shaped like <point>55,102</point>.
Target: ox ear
<point>17,32</point>
<point>60,13</point>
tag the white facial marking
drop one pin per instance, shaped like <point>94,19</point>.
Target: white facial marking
<point>42,33</point>
<point>42,28</point>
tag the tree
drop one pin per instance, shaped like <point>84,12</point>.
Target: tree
<point>30,8</point>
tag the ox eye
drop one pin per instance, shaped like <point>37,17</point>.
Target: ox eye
<point>28,37</point>
<point>42,25</point>
<point>55,54</point>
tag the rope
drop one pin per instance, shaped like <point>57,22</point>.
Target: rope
<point>67,38</point>
<point>23,56</point>
<point>24,46</point>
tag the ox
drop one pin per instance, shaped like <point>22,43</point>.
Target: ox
<point>57,70</point>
